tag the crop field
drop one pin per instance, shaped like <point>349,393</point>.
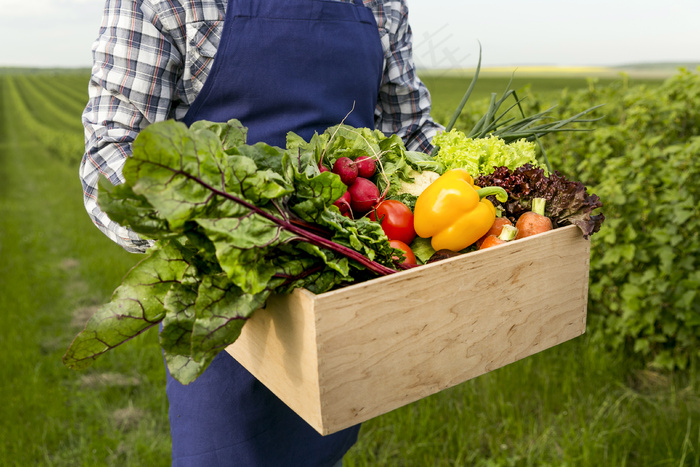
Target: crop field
<point>576,404</point>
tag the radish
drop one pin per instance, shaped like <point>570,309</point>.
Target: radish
<point>366,167</point>
<point>364,194</point>
<point>322,168</point>
<point>347,169</point>
<point>343,204</point>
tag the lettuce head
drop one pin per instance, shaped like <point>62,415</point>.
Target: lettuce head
<point>482,155</point>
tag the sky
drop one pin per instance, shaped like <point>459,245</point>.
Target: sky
<point>447,33</point>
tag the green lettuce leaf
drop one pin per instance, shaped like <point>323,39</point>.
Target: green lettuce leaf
<point>482,155</point>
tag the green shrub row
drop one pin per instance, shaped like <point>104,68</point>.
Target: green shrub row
<point>643,159</point>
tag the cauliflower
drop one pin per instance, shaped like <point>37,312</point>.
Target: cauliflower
<point>421,180</point>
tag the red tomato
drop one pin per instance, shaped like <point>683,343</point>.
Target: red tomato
<point>396,219</point>
<point>410,257</point>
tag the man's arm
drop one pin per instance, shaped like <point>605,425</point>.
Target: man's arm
<point>132,84</point>
<point>404,101</point>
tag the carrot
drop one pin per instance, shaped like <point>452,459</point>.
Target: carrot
<point>490,241</point>
<point>507,234</point>
<point>533,222</point>
<point>495,229</point>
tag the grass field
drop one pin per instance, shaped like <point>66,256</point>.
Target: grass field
<point>573,405</point>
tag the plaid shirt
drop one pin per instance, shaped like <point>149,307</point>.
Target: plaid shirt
<point>151,58</point>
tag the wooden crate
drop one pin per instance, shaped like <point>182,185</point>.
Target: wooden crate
<point>348,355</point>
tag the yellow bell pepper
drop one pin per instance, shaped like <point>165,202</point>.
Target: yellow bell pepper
<point>455,212</point>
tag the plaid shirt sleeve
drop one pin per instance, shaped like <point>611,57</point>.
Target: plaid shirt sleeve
<point>132,84</point>
<point>404,103</point>
<point>151,58</point>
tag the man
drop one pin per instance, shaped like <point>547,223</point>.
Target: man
<point>277,66</point>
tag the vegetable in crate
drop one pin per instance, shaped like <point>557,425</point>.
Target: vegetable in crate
<point>453,213</point>
<point>346,169</point>
<point>392,162</point>
<point>567,202</point>
<point>533,222</point>
<point>482,155</point>
<point>364,194</point>
<point>396,220</point>
<point>409,257</point>
<point>233,223</point>
<point>366,167</point>
<point>508,233</point>
<point>496,228</point>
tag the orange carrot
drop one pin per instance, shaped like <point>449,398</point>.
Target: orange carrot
<point>495,229</point>
<point>490,241</point>
<point>533,222</point>
<point>507,234</point>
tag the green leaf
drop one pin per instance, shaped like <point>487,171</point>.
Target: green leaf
<point>243,177</point>
<point>165,161</point>
<point>422,249</point>
<point>136,306</point>
<point>242,245</point>
<point>128,209</point>
<point>663,360</point>
<point>231,134</point>
<point>642,346</point>
<point>266,157</point>
<point>176,332</point>
<point>340,265</point>
<point>315,194</point>
<point>222,309</point>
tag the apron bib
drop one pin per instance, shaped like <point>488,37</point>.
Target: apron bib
<point>282,65</point>
<point>299,65</point>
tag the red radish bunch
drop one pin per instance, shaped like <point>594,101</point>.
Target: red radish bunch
<point>366,167</point>
<point>362,197</point>
<point>362,193</point>
<point>346,169</point>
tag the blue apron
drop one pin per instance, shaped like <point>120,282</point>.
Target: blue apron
<point>299,65</point>
<point>282,65</point>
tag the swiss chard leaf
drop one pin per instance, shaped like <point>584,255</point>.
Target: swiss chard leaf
<point>221,310</point>
<point>172,167</point>
<point>128,209</point>
<point>231,134</point>
<point>136,306</point>
<point>176,330</point>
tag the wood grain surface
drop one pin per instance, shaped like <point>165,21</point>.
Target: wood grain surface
<point>345,356</point>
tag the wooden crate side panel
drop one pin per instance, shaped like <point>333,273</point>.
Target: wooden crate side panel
<point>278,346</point>
<point>409,335</point>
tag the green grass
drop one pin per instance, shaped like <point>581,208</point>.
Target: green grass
<point>572,405</point>
<point>55,267</point>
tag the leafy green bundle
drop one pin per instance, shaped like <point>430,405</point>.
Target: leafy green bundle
<point>232,224</point>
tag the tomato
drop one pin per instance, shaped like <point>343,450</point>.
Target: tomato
<point>410,257</point>
<point>396,219</point>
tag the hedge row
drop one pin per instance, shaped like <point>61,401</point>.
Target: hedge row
<point>643,160</point>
